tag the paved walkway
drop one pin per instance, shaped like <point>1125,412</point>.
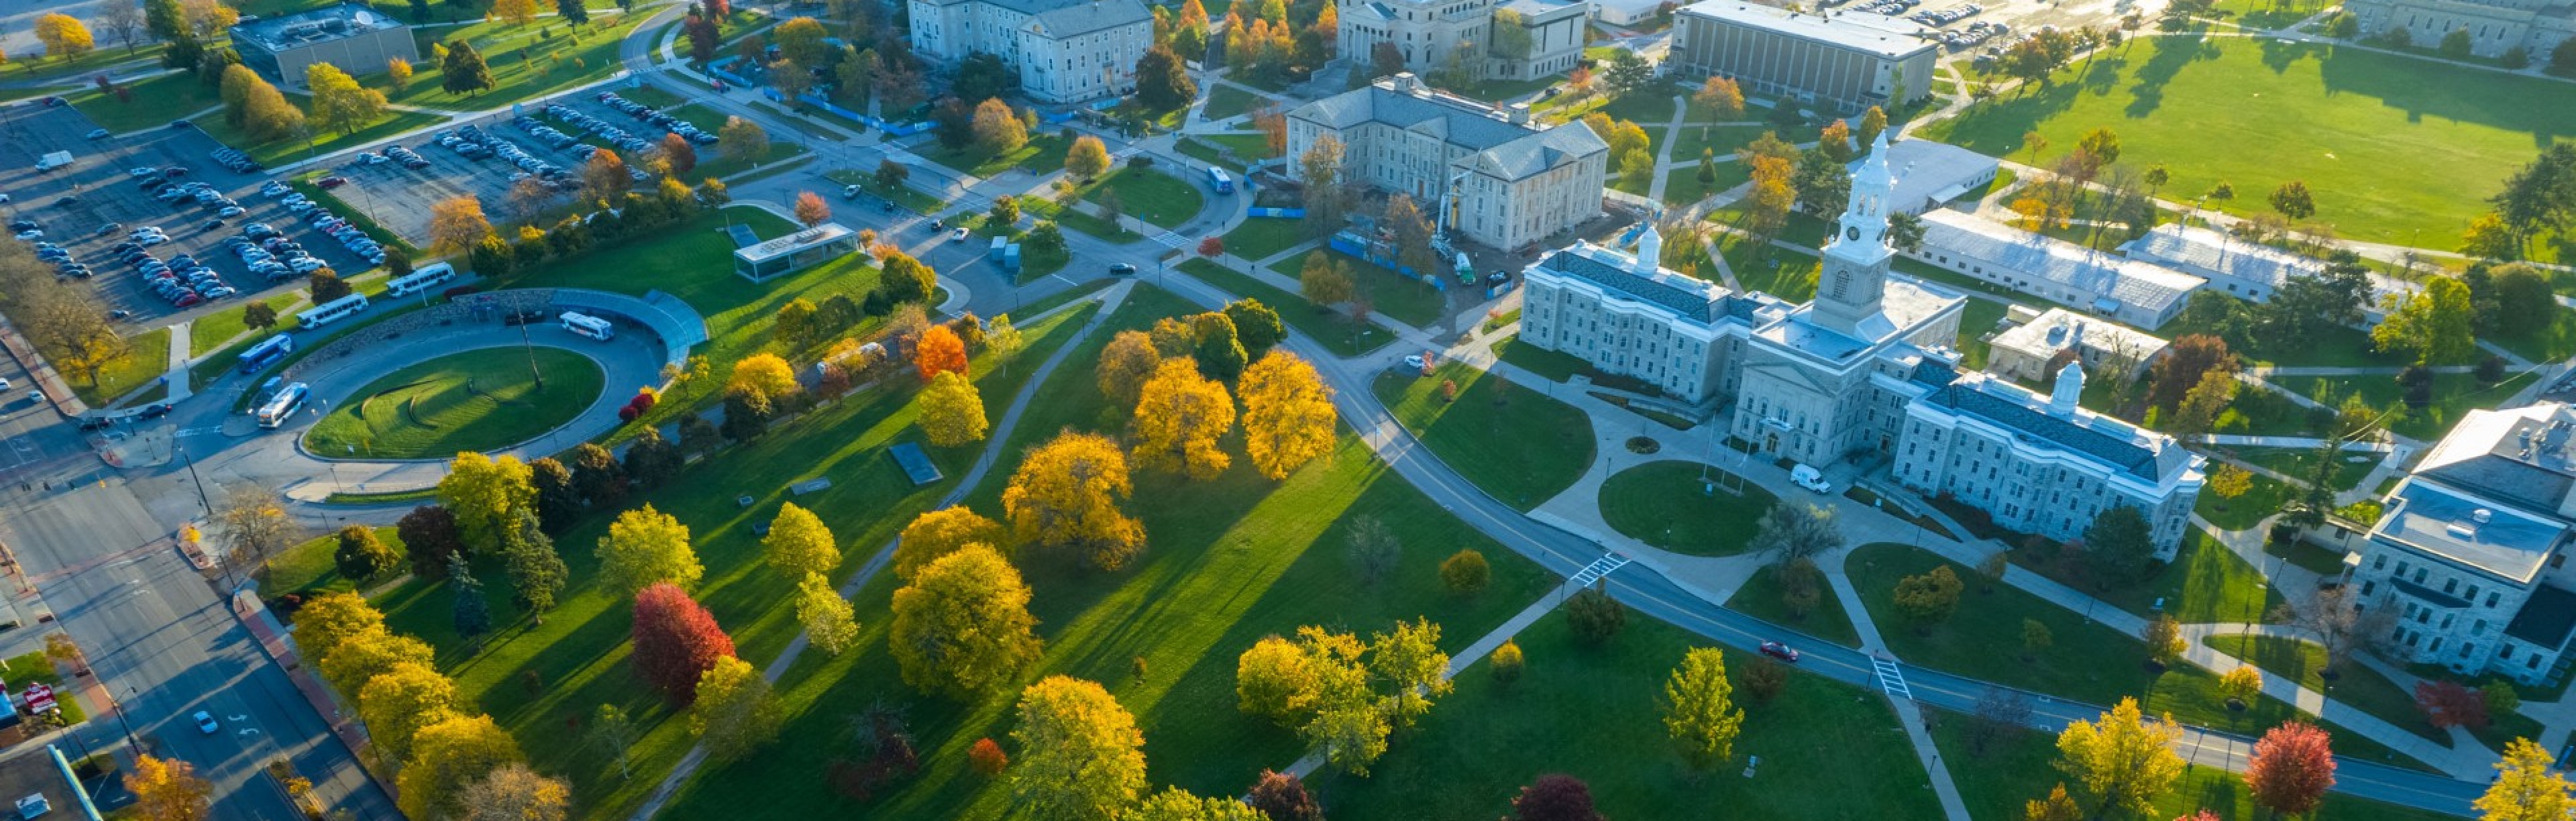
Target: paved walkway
<point>1908,713</point>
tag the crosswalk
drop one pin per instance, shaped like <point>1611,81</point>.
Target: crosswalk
<point>1171,240</point>
<point>1891,677</point>
<point>1598,568</point>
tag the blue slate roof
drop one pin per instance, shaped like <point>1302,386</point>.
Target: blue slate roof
<point>1700,306</point>
<point>2117,451</point>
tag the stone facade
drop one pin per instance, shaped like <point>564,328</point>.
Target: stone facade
<point>1064,51</point>
<point>2044,465</point>
<point>1841,61</point>
<point>1428,32</point>
<point>1504,183</point>
<point>2494,26</point>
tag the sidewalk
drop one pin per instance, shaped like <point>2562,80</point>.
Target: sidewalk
<point>1908,713</point>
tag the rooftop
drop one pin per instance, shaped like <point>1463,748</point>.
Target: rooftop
<point>793,243</point>
<point>2443,522</point>
<point>1502,148</point>
<point>2203,251</point>
<point>1701,302</point>
<point>317,26</point>
<point>1904,304</point>
<point>2059,329</point>
<point>1929,173</point>
<point>1066,18</point>
<point>2144,454</point>
<point>1878,34</point>
<point>2100,276</point>
<point>2524,456</point>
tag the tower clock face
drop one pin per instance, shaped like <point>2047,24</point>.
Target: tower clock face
<point>1851,233</point>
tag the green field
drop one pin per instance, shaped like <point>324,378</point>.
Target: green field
<point>2396,149</point>
<point>215,330</point>
<point>147,357</point>
<point>2454,395</point>
<point>2021,767</point>
<point>309,568</point>
<point>1328,327</point>
<point>2355,684</point>
<point>526,62</point>
<point>1226,101</point>
<point>152,103</point>
<point>1392,294</point>
<point>1666,505</point>
<point>1043,153</point>
<point>1150,195</point>
<point>1760,598</point>
<point>290,149</point>
<point>1518,445</point>
<point>478,400</point>
<point>1230,561</point>
<point>1829,750</point>
<point>577,656</point>
<point>2205,582</point>
<point>1258,239</point>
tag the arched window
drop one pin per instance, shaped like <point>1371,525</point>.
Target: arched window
<point>1842,283</point>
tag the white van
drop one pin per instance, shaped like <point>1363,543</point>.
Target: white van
<point>1810,478</point>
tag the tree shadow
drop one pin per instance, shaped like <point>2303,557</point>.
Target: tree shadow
<point>2166,57</point>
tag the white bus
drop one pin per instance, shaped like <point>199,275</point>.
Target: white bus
<point>334,311</point>
<point>590,326</point>
<point>420,280</point>
<point>282,407</point>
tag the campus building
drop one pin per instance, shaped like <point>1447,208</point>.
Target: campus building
<point>1930,173</point>
<point>2044,465</point>
<point>2139,293</point>
<point>354,38</point>
<point>1839,61</point>
<point>1495,178</point>
<point>2023,353</point>
<point>1428,32</point>
<point>795,252</point>
<point>2469,555</point>
<point>2494,26</point>
<point>1065,51</point>
<point>2241,268</point>
<point>1624,314</point>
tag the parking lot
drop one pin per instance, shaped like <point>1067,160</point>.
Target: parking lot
<point>1965,24</point>
<point>104,193</point>
<point>398,197</point>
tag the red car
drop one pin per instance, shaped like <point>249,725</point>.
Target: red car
<point>329,183</point>
<point>1780,651</point>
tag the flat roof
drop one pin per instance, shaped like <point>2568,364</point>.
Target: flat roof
<point>2059,329</point>
<point>792,243</point>
<point>320,25</point>
<point>1929,173</point>
<point>1891,37</point>
<point>2439,521</point>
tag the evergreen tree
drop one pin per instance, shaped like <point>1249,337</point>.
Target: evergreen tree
<point>572,11</point>
<point>471,615</point>
<point>464,71</point>
<point>537,572</point>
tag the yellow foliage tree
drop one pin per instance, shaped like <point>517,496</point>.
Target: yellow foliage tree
<point>830,624</point>
<point>63,35</point>
<point>765,374</point>
<point>448,755</point>
<point>169,790</point>
<point>939,533</point>
<point>735,712</point>
<point>515,12</point>
<point>952,413</point>
<point>963,625</point>
<point>362,657</point>
<point>457,223</point>
<point>645,546</point>
<point>2122,762</point>
<point>1066,495</point>
<point>1288,415</point>
<point>1179,417</point>
<point>339,103</point>
<point>1129,359</point>
<point>398,703</point>
<point>798,545</point>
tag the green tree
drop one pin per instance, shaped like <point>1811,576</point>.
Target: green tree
<point>361,557</point>
<point>1699,709</point>
<point>2438,324</point>
<point>646,546</point>
<point>1928,599</point>
<point>1409,660</point>
<point>1081,756</point>
<point>2120,543</point>
<point>469,612</point>
<point>798,544</point>
<point>463,72</point>
<point>537,573</point>
<point>963,626</point>
<point>2293,201</point>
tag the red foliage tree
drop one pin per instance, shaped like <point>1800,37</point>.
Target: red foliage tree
<point>1211,246</point>
<point>988,758</point>
<point>940,349</point>
<point>1282,797</point>
<point>2291,769</point>
<point>2203,815</point>
<point>675,642</point>
<point>2181,367</point>
<point>1555,797</point>
<point>2447,704</point>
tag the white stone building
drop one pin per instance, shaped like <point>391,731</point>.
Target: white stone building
<point>1427,32</point>
<point>1844,60</point>
<point>2470,553</point>
<point>2494,26</point>
<point>1626,315</point>
<point>2139,293</point>
<point>2044,465</point>
<point>1065,51</point>
<point>2023,353</point>
<point>1496,179</point>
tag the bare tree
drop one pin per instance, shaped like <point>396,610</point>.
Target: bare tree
<point>2337,620</point>
<point>2000,715</point>
<point>255,526</point>
<point>1791,531</point>
<point>124,21</point>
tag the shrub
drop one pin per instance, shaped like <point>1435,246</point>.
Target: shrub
<point>1466,573</point>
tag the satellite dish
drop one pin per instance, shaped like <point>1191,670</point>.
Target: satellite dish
<point>363,17</point>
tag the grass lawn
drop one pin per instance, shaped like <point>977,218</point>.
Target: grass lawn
<point>1232,560</point>
<point>1977,319</point>
<point>146,358</point>
<point>577,657</point>
<point>2350,467</point>
<point>1760,598</point>
<point>1829,750</point>
<point>1044,152</point>
<point>151,103</point>
<point>2454,395</point>
<point>1259,238</point>
<point>2363,127</point>
<point>2205,582</point>
<point>1558,366</point>
<point>1400,298</point>
<point>1328,327</point>
<point>1780,272</point>
<point>2022,767</point>
<point>477,400</point>
<point>2263,497</point>
<point>1666,504</point>
<point>526,61</point>
<point>1722,139</point>
<point>2086,662</point>
<point>1226,101</point>
<point>2550,344</point>
<point>2355,685</point>
<point>2332,348</point>
<point>1150,195</point>
<point>902,195</point>
<point>217,329</point>
<point>1682,185</point>
<point>291,149</point>
<point>1206,153</point>
<point>33,668</point>
<point>309,568</point>
<point>1247,146</point>
<point>81,68</point>
<point>1518,445</point>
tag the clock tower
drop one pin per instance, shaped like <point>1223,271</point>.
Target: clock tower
<point>1856,260</point>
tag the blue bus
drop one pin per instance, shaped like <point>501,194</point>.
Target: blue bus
<point>267,353</point>
<point>1224,182</point>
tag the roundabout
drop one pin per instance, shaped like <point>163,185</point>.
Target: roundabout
<point>477,400</point>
